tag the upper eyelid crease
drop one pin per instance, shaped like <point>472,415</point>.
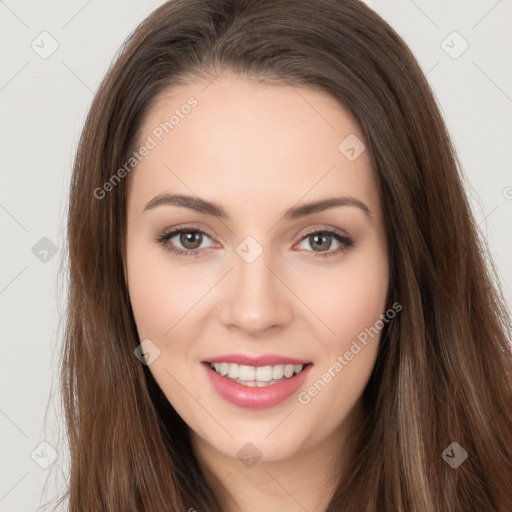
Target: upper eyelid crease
<point>215,210</point>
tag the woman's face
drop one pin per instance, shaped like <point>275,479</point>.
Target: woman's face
<point>255,281</point>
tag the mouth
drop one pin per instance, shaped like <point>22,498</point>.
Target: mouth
<point>254,387</point>
<point>257,376</point>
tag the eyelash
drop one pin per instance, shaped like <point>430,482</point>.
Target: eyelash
<point>345,241</point>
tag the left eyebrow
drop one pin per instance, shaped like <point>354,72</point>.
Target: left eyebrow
<point>214,209</point>
<point>325,204</point>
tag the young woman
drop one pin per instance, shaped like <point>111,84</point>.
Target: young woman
<point>279,299</point>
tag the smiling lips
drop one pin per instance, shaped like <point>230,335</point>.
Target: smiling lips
<point>256,382</point>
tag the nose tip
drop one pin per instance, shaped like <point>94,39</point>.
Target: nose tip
<point>257,301</point>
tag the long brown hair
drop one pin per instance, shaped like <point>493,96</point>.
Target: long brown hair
<point>444,368</point>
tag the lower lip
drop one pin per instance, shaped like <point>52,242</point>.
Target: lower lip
<point>254,397</point>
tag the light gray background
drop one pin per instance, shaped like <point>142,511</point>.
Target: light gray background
<point>43,106</point>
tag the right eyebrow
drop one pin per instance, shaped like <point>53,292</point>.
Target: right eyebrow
<point>191,202</point>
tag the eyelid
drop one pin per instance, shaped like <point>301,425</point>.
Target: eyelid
<point>167,234</point>
<point>339,235</point>
<point>185,227</point>
<point>323,228</point>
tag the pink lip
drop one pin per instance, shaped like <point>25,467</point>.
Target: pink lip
<point>254,397</point>
<point>264,360</point>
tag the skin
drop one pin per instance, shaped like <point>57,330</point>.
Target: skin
<point>257,150</point>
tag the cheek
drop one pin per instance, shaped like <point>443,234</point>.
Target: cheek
<point>149,297</point>
<point>166,298</point>
<point>353,299</point>
<point>351,305</point>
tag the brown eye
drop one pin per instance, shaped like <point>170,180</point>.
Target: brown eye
<point>184,241</point>
<point>321,242</point>
<point>191,239</point>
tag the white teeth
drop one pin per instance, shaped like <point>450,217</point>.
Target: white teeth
<point>263,373</point>
<point>278,371</point>
<point>247,372</point>
<point>257,375</point>
<point>233,372</point>
<point>289,369</point>
<point>224,368</point>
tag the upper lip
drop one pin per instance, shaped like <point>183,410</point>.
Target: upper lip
<point>263,360</point>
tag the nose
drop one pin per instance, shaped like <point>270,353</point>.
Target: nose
<point>256,300</point>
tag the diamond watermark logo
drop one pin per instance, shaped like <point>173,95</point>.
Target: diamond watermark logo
<point>249,249</point>
<point>454,455</point>
<point>249,454</point>
<point>454,45</point>
<point>147,352</point>
<point>44,455</point>
<point>44,250</point>
<point>44,45</point>
<point>351,147</point>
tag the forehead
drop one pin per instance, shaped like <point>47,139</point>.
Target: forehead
<point>250,141</point>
